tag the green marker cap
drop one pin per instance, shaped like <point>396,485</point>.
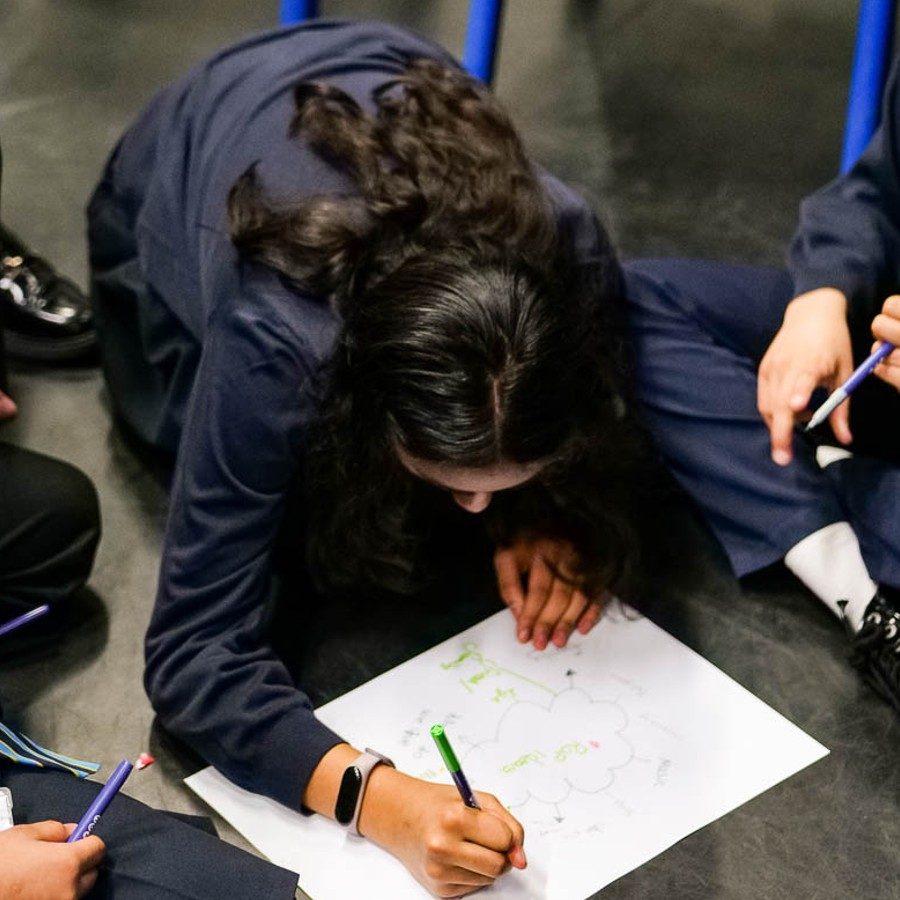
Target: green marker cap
<point>440,738</point>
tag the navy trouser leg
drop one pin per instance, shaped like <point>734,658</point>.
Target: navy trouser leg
<point>150,855</point>
<point>870,492</point>
<point>699,331</point>
<point>149,357</point>
<point>49,528</point>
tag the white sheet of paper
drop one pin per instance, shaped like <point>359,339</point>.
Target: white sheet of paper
<point>608,751</point>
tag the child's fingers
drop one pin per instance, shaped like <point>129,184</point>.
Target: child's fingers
<point>7,406</point>
<point>889,368</point>
<point>555,606</point>
<point>569,619</point>
<point>540,580</point>
<point>892,359</point>
<point>509,582</point>
<point>52,832</point>
<point>89,852</point>
<point>86,883</point>
<point>489,803</point>
<point>801,391</point>
<point>889,371</point>
<point>840,418</point>
<point>781,428</point>
<point>887,327</point>
<point>840,423</point>
<point>590,617</point>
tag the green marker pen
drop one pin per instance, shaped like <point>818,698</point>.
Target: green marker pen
<point>453,767</point>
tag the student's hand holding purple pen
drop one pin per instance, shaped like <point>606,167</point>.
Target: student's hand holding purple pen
<point>37,864</point>
<point>811,349</point>
<point>886,327</point>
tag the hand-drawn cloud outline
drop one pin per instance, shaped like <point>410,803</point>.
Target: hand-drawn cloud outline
<point>544,753</point>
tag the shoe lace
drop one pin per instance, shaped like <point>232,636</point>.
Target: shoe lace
<point>879,639</point>
<point>22,279</point>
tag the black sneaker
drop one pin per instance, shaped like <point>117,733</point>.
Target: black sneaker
<point>875,649</point>
<point>45,317</point>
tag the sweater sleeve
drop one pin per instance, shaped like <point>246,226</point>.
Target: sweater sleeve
<point>849,232</point>
<point>578,224</point>
<point>211,673</point>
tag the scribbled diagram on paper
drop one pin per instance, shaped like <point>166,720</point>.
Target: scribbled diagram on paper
<point>546,745</point>
<point>610,750</point>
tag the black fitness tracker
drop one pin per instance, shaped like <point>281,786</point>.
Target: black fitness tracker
<point>353,787</point>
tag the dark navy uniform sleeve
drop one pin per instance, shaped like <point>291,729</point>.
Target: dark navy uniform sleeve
<point>849,232</point>
<point>211,673</point>
<point>576,220</point>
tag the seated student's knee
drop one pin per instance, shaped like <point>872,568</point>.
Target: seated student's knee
<point>73,520</point>
<point>75,507</point>
<point>51,528</point>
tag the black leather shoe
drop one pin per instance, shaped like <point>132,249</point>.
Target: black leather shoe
<point>875,648</point>
<point>46,318</point>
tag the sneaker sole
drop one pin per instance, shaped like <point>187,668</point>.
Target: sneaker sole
<point>53,350</point>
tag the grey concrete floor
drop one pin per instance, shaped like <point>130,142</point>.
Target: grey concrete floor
<point>695,127</point>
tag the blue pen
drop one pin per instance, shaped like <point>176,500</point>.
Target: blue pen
<point>24,619</point>
<point>850,385</point>
<point>101,801</point>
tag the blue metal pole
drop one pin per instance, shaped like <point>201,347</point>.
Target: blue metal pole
<point>482,33</point>
<point>873,43</point>
<point>293,11</point>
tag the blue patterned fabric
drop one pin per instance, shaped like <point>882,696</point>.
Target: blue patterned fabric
<point>20,749</point>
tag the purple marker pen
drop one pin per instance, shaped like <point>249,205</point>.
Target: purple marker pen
<point>24,619</point>
<point>101,801</point>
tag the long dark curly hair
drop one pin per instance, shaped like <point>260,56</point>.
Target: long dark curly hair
<point>471,335</point>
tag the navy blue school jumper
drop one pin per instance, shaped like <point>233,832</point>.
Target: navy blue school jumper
<point>700,332</point>
<point>217,358</point>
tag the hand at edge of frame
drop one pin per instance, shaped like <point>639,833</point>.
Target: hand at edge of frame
<point>886,327</point>
<point>8,407</point>
<point>36,863</point>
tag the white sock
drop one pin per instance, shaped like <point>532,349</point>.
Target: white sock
<point>826,455</point>
<point>830,564</point>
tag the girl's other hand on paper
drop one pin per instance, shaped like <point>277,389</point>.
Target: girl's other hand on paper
<point>533,579</point>
<point>886,327</point>
<point>449,848</point>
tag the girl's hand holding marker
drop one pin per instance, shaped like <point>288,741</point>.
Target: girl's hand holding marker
<point>450,848</point>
